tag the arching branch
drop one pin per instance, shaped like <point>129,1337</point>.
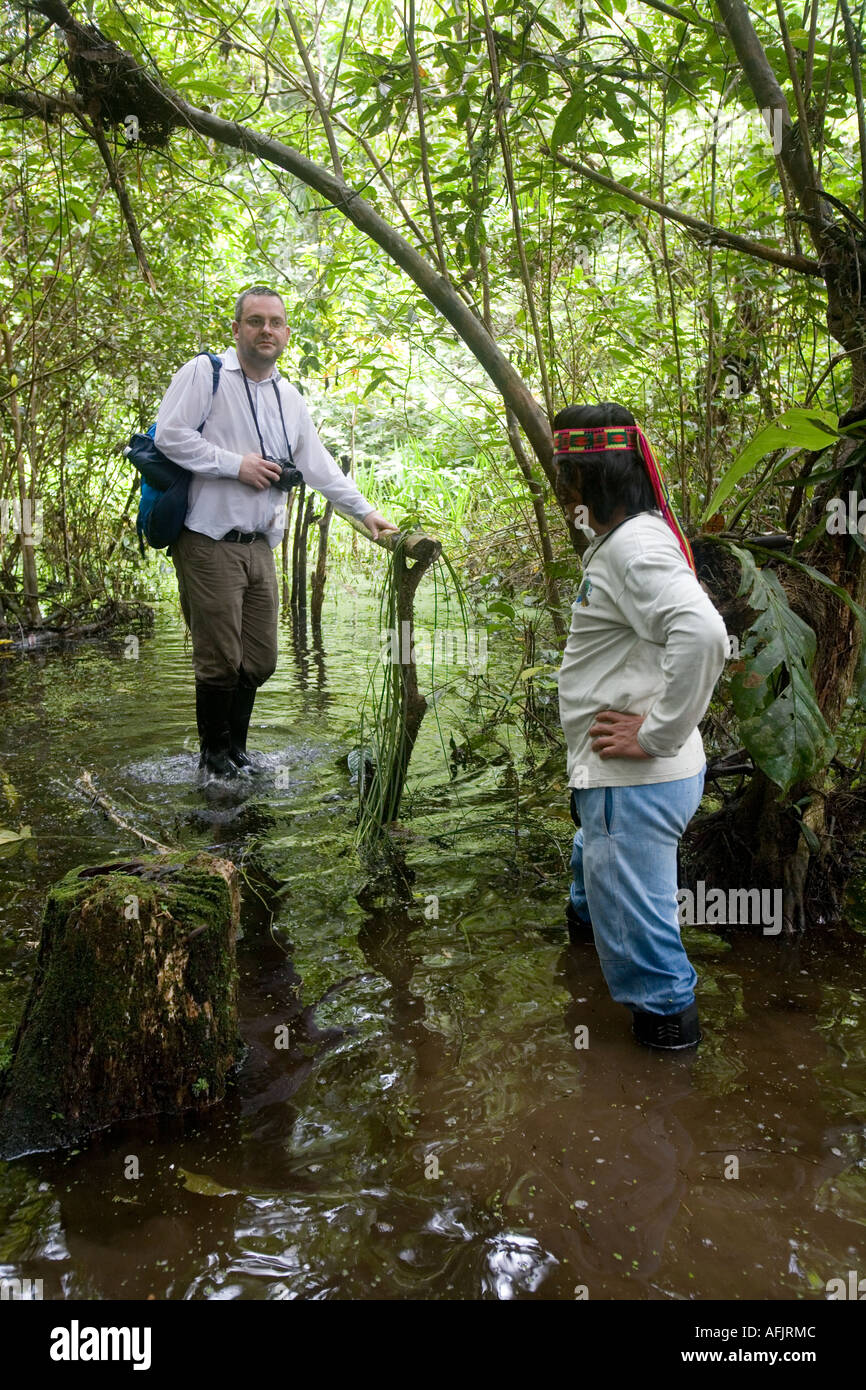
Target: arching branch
<point>171,110</point>
<point>704,230</point>
<point>165,106</point>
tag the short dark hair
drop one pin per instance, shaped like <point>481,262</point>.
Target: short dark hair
<point>256,289</point>
<point>611,478</point>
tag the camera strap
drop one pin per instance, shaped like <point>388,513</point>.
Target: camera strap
<point>256,418</point>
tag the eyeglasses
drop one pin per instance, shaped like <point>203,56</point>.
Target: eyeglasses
<point>257,322</point>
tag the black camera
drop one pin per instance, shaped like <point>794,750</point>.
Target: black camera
<point>289,477</point>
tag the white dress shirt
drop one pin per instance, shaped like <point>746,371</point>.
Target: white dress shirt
<point>218,502</point>
<point>644,639</point>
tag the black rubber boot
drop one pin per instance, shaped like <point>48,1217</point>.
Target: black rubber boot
<point>579,930</point>
<point>670,1032</point>
<point>244,697</point>
<point>212,708</point>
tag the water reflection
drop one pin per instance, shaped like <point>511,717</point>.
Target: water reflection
<point>412,1117</point>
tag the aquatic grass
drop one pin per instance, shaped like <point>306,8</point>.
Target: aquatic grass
<point>383,714</point>
<point>442,494</point>
<point>393,708</point>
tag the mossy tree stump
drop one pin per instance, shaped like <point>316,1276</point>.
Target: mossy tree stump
<point>133,1007</point>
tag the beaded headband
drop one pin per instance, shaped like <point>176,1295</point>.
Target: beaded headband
<point>591,441</point>
<point>597,439</point>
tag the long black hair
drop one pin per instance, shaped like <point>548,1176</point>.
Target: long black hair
<point>611,478</point>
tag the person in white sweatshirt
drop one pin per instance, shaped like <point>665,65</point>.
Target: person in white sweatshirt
<point>645,649</point>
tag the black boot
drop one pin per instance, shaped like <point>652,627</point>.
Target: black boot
<point>579,929</point>
<point>212,708</point>
<point>244,697</point>
<point>668,1031</point>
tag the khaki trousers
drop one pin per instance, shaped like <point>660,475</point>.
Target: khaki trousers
<point>229,598</point>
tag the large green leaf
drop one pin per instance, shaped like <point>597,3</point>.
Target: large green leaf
<point>771,686</point>
<point>794,430</point>
<point>568,121</point>
<point>840,593</point>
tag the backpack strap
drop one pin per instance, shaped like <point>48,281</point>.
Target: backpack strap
<point>216,366</point>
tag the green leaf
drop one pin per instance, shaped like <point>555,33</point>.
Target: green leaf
<point>205,1186</point>
<point>772,693</point>
<point>819,578</point>
<point>860,677</point>
<point>208,88</point>
<point>560,569</point>
<point>549,27</point>
<point>13,837</point>
<point>568,121</point>
<point>530,672</point>
<point>795,430</point>
<point>182,70</point>
<point>12,840</point>
<point>845,597</point>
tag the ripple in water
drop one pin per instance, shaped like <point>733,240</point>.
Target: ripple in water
<point>515,1264</point>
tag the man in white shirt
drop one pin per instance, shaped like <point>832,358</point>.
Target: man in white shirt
<point>645,649</point>
<point>254,424</point>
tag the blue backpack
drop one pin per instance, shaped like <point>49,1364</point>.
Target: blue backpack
<point>164,485</point>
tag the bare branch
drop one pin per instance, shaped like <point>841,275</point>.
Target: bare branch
<point>118,183</point>
<point>855,50</point>
<point>85,785</point>
<point>409,32</point>
<point>505,146</point>
<point>678,14</point>
<point>769,96</point>
<point>703,230</point>
<point>321,105</point>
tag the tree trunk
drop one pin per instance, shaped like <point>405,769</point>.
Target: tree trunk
<point>133,1006</point>
<point>317,583</point>
<point>294,600</point>
<point>299,599</point>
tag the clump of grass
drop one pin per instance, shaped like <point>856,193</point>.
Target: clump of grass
<point>393,707</point>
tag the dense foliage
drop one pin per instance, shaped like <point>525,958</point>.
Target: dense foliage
<point>636,201</point>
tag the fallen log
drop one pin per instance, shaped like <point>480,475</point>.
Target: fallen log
<point>114,619</point>
<point>133,1006</point>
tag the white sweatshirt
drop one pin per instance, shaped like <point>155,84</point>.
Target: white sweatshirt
<point>218,502</point>
<point>644,639</point>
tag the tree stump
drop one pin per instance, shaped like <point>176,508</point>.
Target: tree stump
<point>133,1007</point>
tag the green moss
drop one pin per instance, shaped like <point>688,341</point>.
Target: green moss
<point>128,1014</point>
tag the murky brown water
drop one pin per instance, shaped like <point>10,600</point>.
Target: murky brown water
<point>431,1130</point>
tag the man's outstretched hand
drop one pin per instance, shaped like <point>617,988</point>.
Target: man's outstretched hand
<point>614,735</point>
<point>377,525</point>
<point>259,472</point>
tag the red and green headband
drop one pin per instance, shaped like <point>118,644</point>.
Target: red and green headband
<point>596,439</point>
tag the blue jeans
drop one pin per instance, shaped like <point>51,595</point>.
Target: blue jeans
<point>624,864</point>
